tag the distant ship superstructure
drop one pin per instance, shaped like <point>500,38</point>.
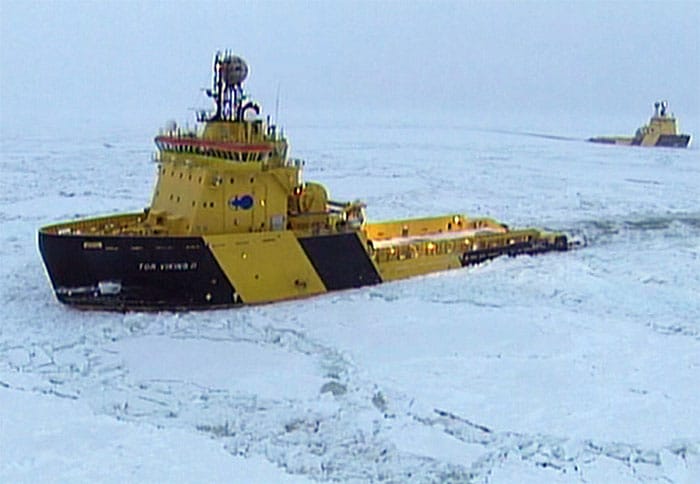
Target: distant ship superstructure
<point>233,222</point>
<point>662,130</point>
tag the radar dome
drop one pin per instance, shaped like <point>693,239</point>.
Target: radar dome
<point>234,70</point>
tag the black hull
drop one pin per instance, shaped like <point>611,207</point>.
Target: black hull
<point>135,273</point>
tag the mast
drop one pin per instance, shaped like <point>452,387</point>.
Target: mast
<point>227,91</point>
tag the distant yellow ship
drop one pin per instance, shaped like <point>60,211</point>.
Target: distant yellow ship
<point>662,130</point>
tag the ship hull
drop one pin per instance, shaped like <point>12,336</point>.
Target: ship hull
<point>664,141</point>
<point>126,272</point>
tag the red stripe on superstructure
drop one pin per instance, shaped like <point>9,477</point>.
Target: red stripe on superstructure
<point>216,145</point>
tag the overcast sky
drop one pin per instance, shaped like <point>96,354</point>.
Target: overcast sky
<point>119,60</point>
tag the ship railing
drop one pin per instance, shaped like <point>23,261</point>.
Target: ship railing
<point>430,225</point>
<point>110,225</point>
<point>460,243</point>
<point>458,234</point>
<point>239,152</point>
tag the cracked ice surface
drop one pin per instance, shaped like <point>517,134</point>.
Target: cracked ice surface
<point>574,367</point>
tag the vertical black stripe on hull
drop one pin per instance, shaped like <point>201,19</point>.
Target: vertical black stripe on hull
<point>673,140</point>
<point>149,272</point>
<point>340,260</point>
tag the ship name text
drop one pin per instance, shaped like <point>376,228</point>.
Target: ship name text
<point>167,266</point>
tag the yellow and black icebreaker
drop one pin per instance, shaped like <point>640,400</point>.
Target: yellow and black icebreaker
<point>662,131</point>
<point>232,222</point>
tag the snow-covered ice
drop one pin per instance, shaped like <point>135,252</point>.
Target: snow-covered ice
<point>570,367</point>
